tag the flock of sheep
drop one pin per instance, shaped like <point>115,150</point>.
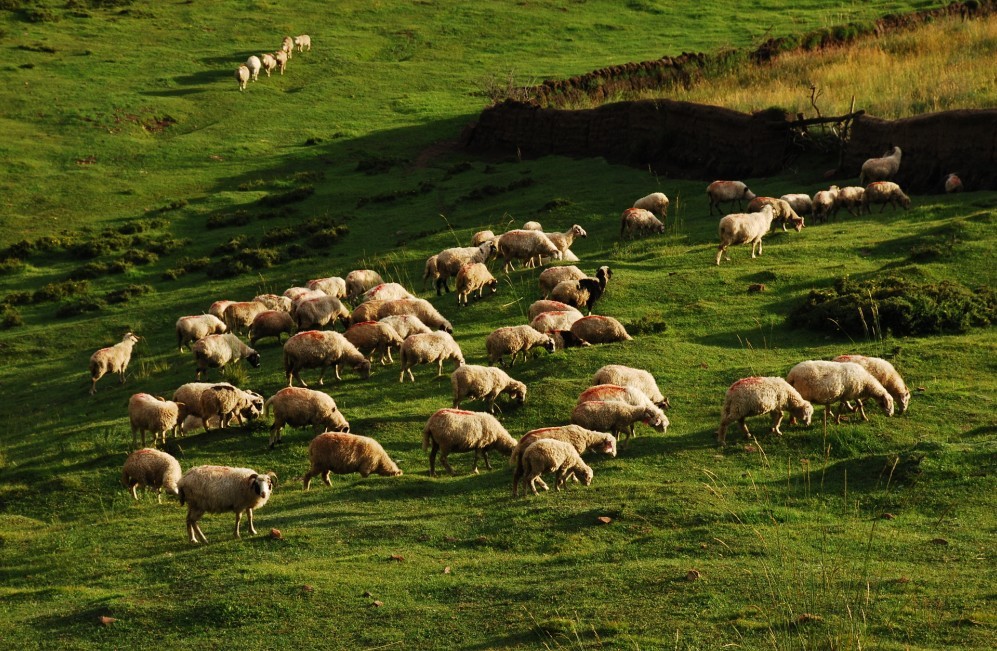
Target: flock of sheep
<point>270,61</point>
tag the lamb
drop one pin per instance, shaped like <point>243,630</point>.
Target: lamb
<point>269,62</point>
<point>405,325</point>
<point>471,382</point>
<point>148,413</point>
<point>744,228</point>
<point>558,457</point>
<point>271,323</point>
<point>113,359</point>
<point>616,417</point>
<point>624,394</point>
<point>583,292</point>
<point>217,309</point>
<point>579,438</point>
<point>435,347</point>
<point>513,340</point>
<point>417,307</point>
<point>331,286</point>
<point>481,237</point>
<point>524,245</point>
<point>825,203</point>
<point>215,351</point>
<point>343,453</point>
<point>450,261</point>
<point>386,292</point>
<point>823,383</point>
<point>801,204</point>
<point>539,307</point>
<point>316,313</point>
<point>223,401</point>
<point>637,222</point>
<point>373,336</point>
<point>287,45</point>
<point>550,277</point>
<point>852,199</point>
<point>953,183</point>
<point>254,65</point>
<point>784,213</point>
<point>150,468</point>
<point>221,489</point>
<point>656,202</point>
<point>550,322</point>
<point>563,241</point>
<point>302,407</point>
<point>455,430</point>
<point>631,377</point>
<point>883,371</point>
<point>757,396</point>
<point>281,57</point>
<point>190,394</point>
<point>729,192</point>
<point>242,76</point>
<point>599,330</point>
<point>532,226</point>
<point>192,328</point>
<point>274,302</point>
<point>431,271</point>
<point>321,349</point>
<point>303,42</point>
<point>880,169</point>
<point>360,280</point>
<point>239,316</point>
<point>474,276</point>
<point>886,192</point>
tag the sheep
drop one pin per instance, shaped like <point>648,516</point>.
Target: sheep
<point>565,339</point>
<point>481,237</point>
<point>405,325</point>
<point>474,276</point>
<point>223,401</point>
<point>539,307</point>
<point>417,307</point>
<point>113,359</point>
<point>450,261</point>
<point>524,245</point>
<point>254,64</point>
<point>150,468</point>
<point>270,323</point>
<point>513,340</point>
<point>599,330</point>
<point>757,396</point>
<point>366,311</point>
<point>825,203</point>
<point>801,204</point>
<point>655,202</point>
<point>302,407</point>
<point>274,302</point>
<point>455,430</point>
<point>215,351</point>
<point>303,42</point>
<point>321,349</point>
<point>727,191</point>
<point>852,199</point>
<point>550,277</point>
<point>373,336</point>
<point>428,348</point>
<point>579,438</point>
<point>569,256</point>
<point>269,62</point>
<point>242,76</point>
<point>239,316</point>
<point>624,394</point>
<point>881,169</point>
<point>563,241</point>
<point>287,45</point>
<point>953,183</point>
<point>360,280</point>
<point>190,394</point>
<point>331,286</point>
<point>631,377</point>
<point>342,453</point>
<point>585,291</point>
<point>386,292</point>
<point>616,417</point>
<point>784,213</point>
<point>744,228</point>
<point>217,309</point>
<point>281,57</point>
<point>148,413</point>
<point>823,383</point>
<point>316,313</point>
<point>558,320</point>
<point>558,457</point>
<point>431,271</point>
<point>192,328</point>
<point>637,222</point>
<point>886,192</point>
<point>471,382</point>
<point>297,294</point>
<point>221,489</point>
<point>883,371</point>
<point>532,226</point>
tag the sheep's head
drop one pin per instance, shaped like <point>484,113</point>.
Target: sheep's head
<point>262,485</point>
<point>492,286</point>
<point>517,391</point>
<point>584,475</point>
<point>253,358</point>
<point>578,231</point>
<point>609,445</point>
<point>886,402</point>
<point>547,342</point>
<point>805,413</point>
<point>663,403</point>
<point>446,327</point>
<point>797,223</point>
<point>655,418</point>
<point>904,401</point>
<point>362,368</point>
<point>904,200</point>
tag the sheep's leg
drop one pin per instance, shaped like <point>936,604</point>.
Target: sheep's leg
<point>720,252</point>
<point>776,422</point>
<point>337,372</point>
<point>861,408</point>
<point>432,459</point>
<point>238,521</point>
<point>194,531</point>
<point>517,476</point>
<point>474,468</point>
<point>542,483</point>
<point>439,370</point>
<point>446,464</point>
<point>326,479</point>
<point>722,432</point>
<point>390,361</point>
<point>744,428</point>
<point>249,514</point>
<point>484,453</point>
<point>410,376</point>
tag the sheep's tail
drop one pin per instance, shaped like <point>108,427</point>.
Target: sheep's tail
<point>427,437</point>
<point>266,407</point>
<point>125,479</point>
<point>183,498</point>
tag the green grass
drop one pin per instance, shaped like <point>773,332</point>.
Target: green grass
<point>786,534</point>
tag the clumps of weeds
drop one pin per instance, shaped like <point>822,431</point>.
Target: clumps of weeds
<point>126,294</point>
<point>60,290</point>
<point>279,213</point>
<point>424,187</point>
<point>175,204</point>
<point>291,196</point>
<point>139,257</point>
<point>327,236</point>
<point>296,252</point>
<point>184,266</point>
<point>279,235</point>
<point>457,168</point>
<point>97,269</point>
<point>226,219</point>
<point>647,324</point>
<point>307,176</point>
<point>79,306</point>
<point>10,266</point>
<point>487,191</point>
<point>17,298</point>
<point>136,226</point>
<point>234,244</point>
<point>245,261</point>
<point>556,204</point>
<point>247,186</point>
<point>10,318</point>
<point>378,165</point>
<point>161,245</point>
<point>38,48</point>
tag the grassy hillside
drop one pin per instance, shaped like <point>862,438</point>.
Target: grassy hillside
<point>132,157</point>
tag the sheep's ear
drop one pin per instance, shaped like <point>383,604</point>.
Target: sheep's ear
<point>272,476</point>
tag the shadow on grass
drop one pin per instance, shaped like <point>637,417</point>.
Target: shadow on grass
<point>176,92</point>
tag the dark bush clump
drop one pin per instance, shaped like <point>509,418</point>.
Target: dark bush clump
<point>377,165</point>
<point>326,236</point>
<point>127,293</point>
<point>647,324</point>
<point>246,186</point>
<point>279,235</point>
<point>259,258</point>
<point>11,266</point>
<point>226,268</point>
<point>222,220</point>
<point>237,243</point>
<point>296,252</point>
<point>161,245</point>
<point>80,306</point>
<point>423,188</point>
<point>17,298</point>
<point>186,265</point>
<point>291,196</point>
<point>21,249</point>
<point>60,290</point>
<point>176,204</point>
<point>554,204</point>
<point>140,257</point>
<point>285,211</point>
<point>10,318</point>
<point>486,191</point>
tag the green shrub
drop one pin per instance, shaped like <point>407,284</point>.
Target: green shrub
<point>80,306</point>
<point>226,268</point>
<point>327,236</point>
<point>279,235</point>
<point>292,196</point>
<point>21,249</point>
<point>647,324</point>
<point>235,244</point>
<point>225,219</point>
<point>140,257</point>
<point>246,186</point>
<point>10,318</point>
<point>259,258</point>
<point>279,213</point>
<point>17,298</point>
<point>60,290</point>
<point>11,5</point>
<point>11,266</point>
<point>127,293</point>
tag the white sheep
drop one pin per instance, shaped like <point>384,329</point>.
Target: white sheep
<point>190,395</point>
<point>242,76</point>
<point>299,407</point>
<point>472,277</point>
<point>342,453</point>
<point>550,277</point>
<point>374,337</point>
<point>148,413</point>
<point>599,330</point>
<point>113,359</point>
<point>825,203</point>
<point>801,204</point>
<point>727,192</point>
<point>405,325</point>
<point>221,489</point>
<point>481,237</point>
<point>852,198</point>
<point>579,438</point>
<point>417,307</point>
<point>620,393</point>
<point>616,417</point>
<point>431,271</point>
<point>360,280</point>
<point>281,57</point>
<point>239,315</point>
<point>524,245</point>
<point>532,226</point>
<point>220,402</point>
<point>269,62</point>
<point>953,183</point>
<point>513,340</point>
<point>637,378</point>
<point>303,293</point>
<point>655,202</point>
<point>450,261</point>
<point>757,396</point>
<point>321,349</point>
<point>886,192</point>
<point>880,169</point>
<point>331,286</point>
<point>217,309</point>
<point>434,347</point>
<point>744,228</point>
<point>784,213</point>
<point>558,457</point>
<point>303,42</point>
<point>824,383</point>
<point>215,351</point>
<point>316,313</point>
<point>287,45</point>
<point>888,376</point>
<point>150,468</point>
<point>539,307</point>
<point>254,64</point>
<point>563,241</point>
<point>472,382</point>
<point>455,430</point>
<point>198,326</point>
<point>274,302</point>
<point>637,222</point>
<point>270,323</point>
<point>558,320</point>
<point>386,292</point>
<point>583,292</point>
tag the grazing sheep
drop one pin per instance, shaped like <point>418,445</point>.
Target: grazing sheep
<point>513,340</point>
<point>825,203</point>
<point>386,292</point>
<point>150,468</point>
<point>883,371</point>
<point>450,261</point>
<point>269,62</point>
<point>217,309</point>
<point>481,237</point>
<point>302,407</point>
<point>113,359</point>
<point>579,438</point>
<point>405,325</point>
<point>532,226</point>
<point>192,328</point>
<point>297,294</point>
<point>281,57</point>
<point>563,241</point>
<point>239,316</point>
<point>852,199</point>
<point>524,245</point>
<point>615,393</point>
<point>801,204</point>
<point>583,292</point>
<point>599,330</point>
<point>254,65</point>
<point>886,192</point>
<point>220,402</point>
<point>417,307</point>
<point>637,222</point>
<point>151,414</point>
<point>366,311</point>
<point>455,430</point>
<point>727,192</point>
<point>744,228</point>
<point>616,417</point>
<point>550,322</point>
<point>474,276</point>
<point>373,336</point>
<point>190,394</point>
<point>360,280</point>
<point>215,351</point>
<point>565,339</point>
<point>558,457</point>
<point>539,307</point>
<point>550,277</point>
<point>242,76</point>
<point>274,302</point>
<point>655,202</point>
<point>631,377</point>
<point>880,169</point>
<point>428,348</point>
<point>331,286</point>
<point>823,383</point>
<point>317,313</point>
<point>784,213</point>
<point>321,349</point>
<point>757,396</point>
<point>287,45</point>
<point>303,42</point>
<point>431,271</point>
<point>953,183</point>
<point>569,256</point>
<point>471,382</point>
<point>221,489</point>
<point>271,323</point>
<point>342,453</point>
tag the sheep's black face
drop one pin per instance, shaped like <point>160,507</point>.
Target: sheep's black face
<point>254,359</point>
<point>549,345</point>
<point>363,369</point>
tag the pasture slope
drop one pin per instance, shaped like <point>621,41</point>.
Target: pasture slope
<point>134,167</point>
